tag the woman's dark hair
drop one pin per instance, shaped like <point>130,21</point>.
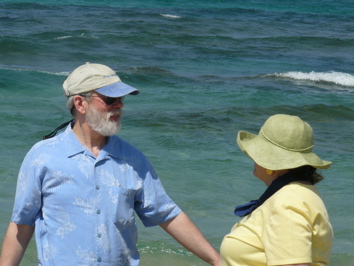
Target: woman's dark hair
<point>307,173</point>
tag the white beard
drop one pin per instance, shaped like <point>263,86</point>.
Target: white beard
<point>100,122</point>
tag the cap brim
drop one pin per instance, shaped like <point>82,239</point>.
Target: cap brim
<point>117,89</point>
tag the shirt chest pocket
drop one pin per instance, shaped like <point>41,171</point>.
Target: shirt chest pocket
<point>119,186</point>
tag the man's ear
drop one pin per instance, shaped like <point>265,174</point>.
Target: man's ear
<point>81,104</point>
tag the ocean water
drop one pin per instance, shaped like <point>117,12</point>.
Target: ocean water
<point>206,69</point>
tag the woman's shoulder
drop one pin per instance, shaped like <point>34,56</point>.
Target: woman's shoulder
<point>299,190</point>
<point>298,196</point>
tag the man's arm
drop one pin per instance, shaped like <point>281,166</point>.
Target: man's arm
<point>188,235</point>
<point>15,244</point>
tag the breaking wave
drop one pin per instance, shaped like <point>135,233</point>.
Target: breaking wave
<point>339,78</point>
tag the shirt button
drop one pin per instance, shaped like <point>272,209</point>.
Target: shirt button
<point>98,211</point>
<point>99,235</point>
<point>97,187</point>
<point>99,259</point>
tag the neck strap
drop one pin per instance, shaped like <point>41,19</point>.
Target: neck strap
<point>54,132</point>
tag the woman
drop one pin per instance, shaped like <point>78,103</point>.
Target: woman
<point>289,223</point>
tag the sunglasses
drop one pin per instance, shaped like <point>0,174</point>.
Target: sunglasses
<point>109,100</point>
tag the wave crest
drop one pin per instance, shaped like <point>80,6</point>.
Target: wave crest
<point>169,16</point>
<point>339,78</point>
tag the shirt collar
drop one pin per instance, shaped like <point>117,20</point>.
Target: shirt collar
<point>111,149</point>
<point>74,146</point>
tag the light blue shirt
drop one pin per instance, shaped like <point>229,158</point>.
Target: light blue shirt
<point>83,207</point>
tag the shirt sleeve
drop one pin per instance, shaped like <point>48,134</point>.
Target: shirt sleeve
<point>288,233</point>
<point>153,205</point>
<point>28,193</point>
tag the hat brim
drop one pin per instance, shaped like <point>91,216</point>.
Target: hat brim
<point>117,89</point>
<point>272,157</point>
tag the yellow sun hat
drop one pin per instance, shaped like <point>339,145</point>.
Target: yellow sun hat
<point>283,142</point>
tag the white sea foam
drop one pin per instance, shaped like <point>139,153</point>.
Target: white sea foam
<point>64,73</point>
<point>82,35</point>
<point>343,79</point>
<point>62,37</point>
<point>169,16</point>
<point>56,73</point>
<point>52,73</point>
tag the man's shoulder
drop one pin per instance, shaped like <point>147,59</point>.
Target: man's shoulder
<point>122,148</point>
<point>121,144</point>
<point>53,144</point>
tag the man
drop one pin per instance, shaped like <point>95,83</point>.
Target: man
<point>79,189</point>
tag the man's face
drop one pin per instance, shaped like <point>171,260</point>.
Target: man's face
<point>104,118</point>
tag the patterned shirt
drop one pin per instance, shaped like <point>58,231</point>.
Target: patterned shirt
<point>83,207</point>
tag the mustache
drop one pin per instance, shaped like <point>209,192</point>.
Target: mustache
<point>116,112</point>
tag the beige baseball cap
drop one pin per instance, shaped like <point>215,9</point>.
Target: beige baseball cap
<point>96,77</point>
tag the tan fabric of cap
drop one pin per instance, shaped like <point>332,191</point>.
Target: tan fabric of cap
<point>89,77</point>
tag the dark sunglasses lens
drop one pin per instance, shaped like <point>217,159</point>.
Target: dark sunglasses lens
<point>110,100</point>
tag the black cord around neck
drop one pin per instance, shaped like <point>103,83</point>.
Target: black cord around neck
<point>54,132</point>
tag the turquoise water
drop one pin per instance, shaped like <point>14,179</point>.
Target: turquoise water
<point>206,69</point>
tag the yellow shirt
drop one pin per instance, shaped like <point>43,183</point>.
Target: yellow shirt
<point>290,227</point>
